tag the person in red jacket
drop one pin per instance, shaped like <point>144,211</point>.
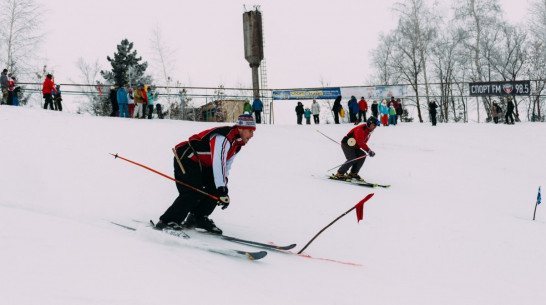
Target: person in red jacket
<point>203,162</point>
<point>47,90</point>
<point>363,105</point>
<point>354,145</point>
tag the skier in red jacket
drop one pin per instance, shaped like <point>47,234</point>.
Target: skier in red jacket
<point>354,145</point>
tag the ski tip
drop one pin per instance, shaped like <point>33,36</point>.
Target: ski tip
<point>253,256</point>
<point>292,246</point>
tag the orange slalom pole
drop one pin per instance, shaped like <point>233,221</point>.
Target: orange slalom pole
<point>171,178</point>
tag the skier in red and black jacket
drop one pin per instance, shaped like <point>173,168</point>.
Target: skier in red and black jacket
<point>354,145</point>
<point>203,162</point>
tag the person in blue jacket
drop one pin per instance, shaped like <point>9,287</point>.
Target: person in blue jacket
<point>123,102</point>
<point>355,109</point>
<point>257,107</point>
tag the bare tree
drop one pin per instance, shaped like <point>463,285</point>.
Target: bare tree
<point>480,18</point>
<point>92,89</point>
<point>414,36</point>
<point>381,57</point>
<point>19,34</point>
<point>163,56</point>
<point>446,55</point>
<point>536,63</point>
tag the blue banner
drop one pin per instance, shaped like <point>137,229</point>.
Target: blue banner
<point>306,94</point>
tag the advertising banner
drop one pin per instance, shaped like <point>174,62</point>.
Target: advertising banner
<point>507,88</point>
<point>306,94</point>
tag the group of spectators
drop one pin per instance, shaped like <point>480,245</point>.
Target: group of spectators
<point>306,112</point>
<point>10,92</point>
<point>388,113</point>
<point>256,108</point>
<point>133,103</point>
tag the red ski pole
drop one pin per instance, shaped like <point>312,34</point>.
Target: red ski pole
<point>171,178</point>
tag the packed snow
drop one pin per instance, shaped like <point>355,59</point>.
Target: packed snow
<point>455,227</point>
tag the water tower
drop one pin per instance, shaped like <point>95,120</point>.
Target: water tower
<point>254,50</point>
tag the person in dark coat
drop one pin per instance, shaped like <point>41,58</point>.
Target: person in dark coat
<point>257,107</point>
<point>509,111</point>
<point>114,101</point>
<point>375,109</point>
<point>337,108</point>
<point>432,111</point>
<point>353,110</point>
<point>299,112</point>
<point>204,162</point>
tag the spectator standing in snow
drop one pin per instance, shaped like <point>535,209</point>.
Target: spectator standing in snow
<point>131,103</point>
<point>58,98</point>
<point>11,87</point>
<point>315,110</point>
<point>384,112</point>
<point>204,162</point>
<point>114,102</point>
<point>4,85</point>
<point>354,145</point>
<point>399,110</point>
<point>150,96</point>
<point>307,115</point>
<point>362,109</point>
<point>47,89</point>
<point>15,93</point>
<point>123,102</point>
<point>375,109</point>
<point>247,108</point>
<point>139,102</point>
<point>257,107</point>
<point>353,109</point>
<point>432,111</point>
<point>495,111</point>
<point>299,112</point>
<point>509,117</point>
<point>337,108</point>
<point>392,115</point>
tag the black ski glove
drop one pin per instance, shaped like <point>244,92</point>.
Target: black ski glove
<point>223,198</point>
<point>370,153</point>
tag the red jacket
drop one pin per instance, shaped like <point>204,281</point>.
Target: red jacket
<point>363,105</point>
<point>49,86</point>
<point>362,134</point>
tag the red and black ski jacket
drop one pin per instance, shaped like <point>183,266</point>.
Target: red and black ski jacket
<point>214,148</point>
<point>361,134</point>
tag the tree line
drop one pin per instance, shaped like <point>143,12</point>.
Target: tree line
<point>437,51</point>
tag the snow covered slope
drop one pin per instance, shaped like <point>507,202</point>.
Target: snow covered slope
<point>455,227</point>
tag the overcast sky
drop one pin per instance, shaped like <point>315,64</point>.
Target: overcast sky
<point>307,43</point>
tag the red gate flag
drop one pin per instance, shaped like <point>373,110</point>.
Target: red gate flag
<point>360,207</point>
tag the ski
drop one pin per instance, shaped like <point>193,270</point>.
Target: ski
<point>253,243</point>
<point>267,246</point>
<point>228,252</point>
<point>362,183</point>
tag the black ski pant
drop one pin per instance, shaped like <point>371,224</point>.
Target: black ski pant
<point>258,115</point>
<point>188,200</point>
<point>351,153</point>
<point>509,115</point>
<point>433,118</point>
<point>361,114</point>
<point>316,118</point>
<point>48,101</point>
<point>300,118</point>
